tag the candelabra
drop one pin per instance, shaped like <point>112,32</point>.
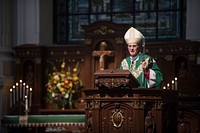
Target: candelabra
<point>21,93</point>
<point>173,85</point>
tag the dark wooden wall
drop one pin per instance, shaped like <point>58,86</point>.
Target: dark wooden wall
<point>178,59</point>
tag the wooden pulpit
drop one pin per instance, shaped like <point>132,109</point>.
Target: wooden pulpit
<point>115,79</point>
<point>116,105</point>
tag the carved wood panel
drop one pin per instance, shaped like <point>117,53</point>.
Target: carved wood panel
<point>116,118</point>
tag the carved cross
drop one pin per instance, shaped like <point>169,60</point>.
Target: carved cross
<point>102,53</point>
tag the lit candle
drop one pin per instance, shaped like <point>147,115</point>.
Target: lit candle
<point>30,98</point>
<point>17,91</point>
<point>168,86</point>
<point>20,88</point>
<point>26,102</point>
<point>13,94</point>
<point>164,87</point>
<point>11,97</point>
<point>24,88</point>
<point>27,90</point>
<point>176,83</point>
<point>172,84</point>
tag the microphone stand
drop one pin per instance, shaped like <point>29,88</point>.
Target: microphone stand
<point>143,59</point>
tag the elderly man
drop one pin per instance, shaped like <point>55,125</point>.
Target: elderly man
<point>142,66</point>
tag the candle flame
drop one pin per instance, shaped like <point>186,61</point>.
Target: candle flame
<point>164,87</point>
<point>168,84</point>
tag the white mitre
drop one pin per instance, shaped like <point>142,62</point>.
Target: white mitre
<point>133,36</point>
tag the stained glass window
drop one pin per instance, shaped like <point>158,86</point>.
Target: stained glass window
<point>156,19</point>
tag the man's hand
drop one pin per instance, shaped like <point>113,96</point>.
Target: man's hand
<point>144,65</point>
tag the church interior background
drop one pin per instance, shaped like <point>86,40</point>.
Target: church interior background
<point>37,36</point>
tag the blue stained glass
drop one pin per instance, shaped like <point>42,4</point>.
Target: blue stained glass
<point>146,22</point>
<point>122,6</point>
<point>156,19</point>
<point>78,6</point>
<point>145,5</point>
<point>168,4</point>
<point>100,6</point>
<point>168,25</point>
<point>125,18</point>
<point>76,31</point>
<point>94,18</point>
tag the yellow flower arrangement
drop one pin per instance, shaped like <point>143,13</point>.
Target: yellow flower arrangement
<point>64,86</point>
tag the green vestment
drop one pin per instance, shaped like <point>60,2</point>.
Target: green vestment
<point>155,79</point>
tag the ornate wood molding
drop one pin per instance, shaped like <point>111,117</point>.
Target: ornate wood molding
<point>114,79</point>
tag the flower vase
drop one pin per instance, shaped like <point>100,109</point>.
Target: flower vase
<point>70,101</point>
<point>70,104</point>
<point>61,106</point>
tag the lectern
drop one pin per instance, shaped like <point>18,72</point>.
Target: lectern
<point>116,105</point>
<point>115,79</point>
